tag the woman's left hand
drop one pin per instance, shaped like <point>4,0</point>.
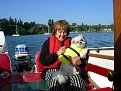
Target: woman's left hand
<point>76,60</point>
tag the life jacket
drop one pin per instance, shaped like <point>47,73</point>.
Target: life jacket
<point>72,51</point>
<point>54,45</point>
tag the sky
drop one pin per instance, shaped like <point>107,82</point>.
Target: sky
<point>74,11</point>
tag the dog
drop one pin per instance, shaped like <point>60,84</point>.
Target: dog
<point>78,47</point>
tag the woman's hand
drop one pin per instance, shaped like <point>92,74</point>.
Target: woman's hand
<point>61,50</point>
<point>76,60</point>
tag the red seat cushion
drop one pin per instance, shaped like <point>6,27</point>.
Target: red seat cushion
<point>39,66</point>
<point>30,77</point>
<point>5,63</point>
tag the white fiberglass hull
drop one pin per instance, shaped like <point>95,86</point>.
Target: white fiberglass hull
<point>101,81</point>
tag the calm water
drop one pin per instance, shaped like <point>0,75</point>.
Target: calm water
<point>104,39</point>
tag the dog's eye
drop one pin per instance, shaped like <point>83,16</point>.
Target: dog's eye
<point>82,40</point>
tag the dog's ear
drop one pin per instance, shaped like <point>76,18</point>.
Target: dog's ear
<point>81,35</point>
<point>72,40</point>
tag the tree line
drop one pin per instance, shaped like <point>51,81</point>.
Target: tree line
<point>10,26</point>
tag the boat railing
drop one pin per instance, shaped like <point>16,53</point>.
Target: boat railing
<point>102,48</point>
<point>98,55</point>
<point>101,56</point>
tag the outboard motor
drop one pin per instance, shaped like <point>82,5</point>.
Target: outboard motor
<point>23,58</point>
<point>22,53</point>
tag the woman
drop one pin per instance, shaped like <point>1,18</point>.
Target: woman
<point>54,46</point>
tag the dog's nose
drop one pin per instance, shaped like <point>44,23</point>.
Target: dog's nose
<point>80,42</point>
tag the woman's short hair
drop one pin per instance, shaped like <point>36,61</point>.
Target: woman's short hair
<point>61,24</point>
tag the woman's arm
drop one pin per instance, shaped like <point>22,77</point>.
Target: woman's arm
<point>79,61</point>
<point>46,58</point>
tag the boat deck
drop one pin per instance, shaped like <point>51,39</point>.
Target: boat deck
<point>33,81</point>
<point>23,82</point>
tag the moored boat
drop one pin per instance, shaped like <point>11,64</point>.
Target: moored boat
<point>16,34</point>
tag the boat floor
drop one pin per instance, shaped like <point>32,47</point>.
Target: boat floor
<point>25,86</point>
<point>36,86</point>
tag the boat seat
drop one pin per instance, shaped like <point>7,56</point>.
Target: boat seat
<point>99,70</point>
<point>30,77</point>
<point>5,66</point>
<point>39,66</point>
<point>5,62</point>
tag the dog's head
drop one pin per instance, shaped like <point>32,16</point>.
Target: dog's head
<point>79,41</point>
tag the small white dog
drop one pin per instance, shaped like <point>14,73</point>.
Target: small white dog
<point>78,48</point>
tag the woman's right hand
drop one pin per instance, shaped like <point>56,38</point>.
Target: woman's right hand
<point>61,50</point>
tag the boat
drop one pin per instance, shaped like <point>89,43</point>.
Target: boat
<point>25,75</point>
<point>34,82</point>
<point>117,44</point>
<point>48,33</point>
<point>100,65</point>
<point>3,44</point>
<point>16,34</point>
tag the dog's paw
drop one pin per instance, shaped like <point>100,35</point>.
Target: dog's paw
<point>83,53</point>
<point>62,79</point>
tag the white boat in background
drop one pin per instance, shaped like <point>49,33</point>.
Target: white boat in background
<point>48,33</point>
<point>16,32</point>
<point>15,35</point>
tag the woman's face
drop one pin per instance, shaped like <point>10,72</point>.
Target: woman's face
<point>61,34</point>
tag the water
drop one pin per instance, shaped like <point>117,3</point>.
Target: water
<point>100,39</point>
